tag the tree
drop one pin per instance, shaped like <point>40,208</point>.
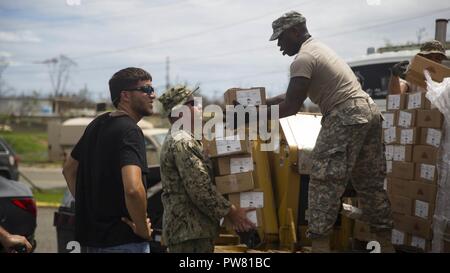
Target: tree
<point>4,88</point>
<point>59,71</point>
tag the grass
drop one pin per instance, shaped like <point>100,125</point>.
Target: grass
<point>49,196</point>
<point>32,147</point>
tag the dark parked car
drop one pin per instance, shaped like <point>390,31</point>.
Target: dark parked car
<point>17,209</point>
<point>9,161</point>
<point>64,218</point>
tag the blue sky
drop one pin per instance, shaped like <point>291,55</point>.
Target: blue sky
<point>217,43</point>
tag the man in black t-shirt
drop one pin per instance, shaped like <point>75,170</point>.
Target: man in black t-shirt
<point>106,170</point>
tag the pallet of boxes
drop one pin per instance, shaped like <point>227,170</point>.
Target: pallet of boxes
<point>412,135</point>
<point>234,170</point>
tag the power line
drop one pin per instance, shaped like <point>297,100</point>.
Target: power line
<point>190,35</point>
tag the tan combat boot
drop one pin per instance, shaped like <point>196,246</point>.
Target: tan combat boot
<point>384,238</point>
<point>321,245</point>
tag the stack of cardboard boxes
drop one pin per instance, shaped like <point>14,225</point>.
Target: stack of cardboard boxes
<point>412,135</point>
<point>233,161</point>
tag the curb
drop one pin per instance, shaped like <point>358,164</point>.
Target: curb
<point>47,204</point>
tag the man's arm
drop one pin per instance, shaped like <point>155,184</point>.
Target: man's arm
<point>296,94</point>
<point>10,241</point>
<point>70,173</point>
<point>136,201</point>
<point>276,100</point>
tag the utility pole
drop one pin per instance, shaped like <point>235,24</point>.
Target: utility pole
<point>167,72</point>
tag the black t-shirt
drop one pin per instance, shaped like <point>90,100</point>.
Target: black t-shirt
<point>108,144</point>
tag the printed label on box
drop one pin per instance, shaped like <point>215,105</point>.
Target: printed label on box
<point>388,121</point>
<point>406,136</point>
<point>398,237</point>
<point>427,171</point>
<point>414,100</point>
<point>228,144</point>
<point>404,119</point>
<point>399,153</point>
<point>434,137</point>
<point>252,199</point>
<point>389,152</point>
<point>390,135</point>
<point>388,166</point>
<point>251,215</point>
<point>393,102</point>
<point>421,209</point>
<point>241,165</point>
<point>249,97</point>
<point>418,242</point>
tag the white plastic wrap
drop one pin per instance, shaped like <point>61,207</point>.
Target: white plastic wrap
<point>439,96</point>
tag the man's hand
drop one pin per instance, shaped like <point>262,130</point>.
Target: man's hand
<point>143,232</point>
<point>239,220</point>
<point>13,242</point>
<point>399,69</point>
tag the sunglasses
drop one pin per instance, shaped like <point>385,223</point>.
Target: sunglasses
<point>148,89</point>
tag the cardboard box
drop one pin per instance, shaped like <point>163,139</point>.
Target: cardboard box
<point>425,154</point>
<point>391,135</point>
<point>227,146</point>
<point>426,173</point>
<point>396,186</point>
<point>403,153</point>
<point>417,100</point>
<point>399,237</point>
<point>234,183</point>
<point>401,204</point>
<point>403,170</point>
<point>406,118</point>
<point>421,243</point>
<point>249,199</point>
<point>395,102</point>
<point>430,136</point>
<point>361,231</point>
<point>389,152</point>
<point>409,136</point>
<point>429,119</point>
<point>413,189</point>
<point>423,209</point>
<point>412,224</point>
<point>252,96</point>
<point>418,64</point>
<point>390,119</point>
<point>234,164</point>
<point>255,216</point>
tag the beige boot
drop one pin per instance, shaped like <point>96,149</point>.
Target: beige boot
<point>321,245</point>
<point>384,238</point>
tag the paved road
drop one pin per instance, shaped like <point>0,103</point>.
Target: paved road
<point>45,231</point>
<point>45,178</point>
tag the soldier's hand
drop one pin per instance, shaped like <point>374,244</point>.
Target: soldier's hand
<point>239,220</point>
<point>399,69</point>
<point>143,231</point>
<point>14,242</point>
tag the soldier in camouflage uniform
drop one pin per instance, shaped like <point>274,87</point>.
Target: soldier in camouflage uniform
<point>349,145</point>
<point>192,205</point>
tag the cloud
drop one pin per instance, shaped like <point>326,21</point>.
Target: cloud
<point>19,37</point>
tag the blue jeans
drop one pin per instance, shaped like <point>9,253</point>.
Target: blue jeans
<point>126,248</point>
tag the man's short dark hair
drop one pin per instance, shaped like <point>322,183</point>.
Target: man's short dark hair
<point>125,79</point>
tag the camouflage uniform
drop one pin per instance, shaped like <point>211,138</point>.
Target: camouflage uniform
<point>192,205</point>
<point>349,146</point>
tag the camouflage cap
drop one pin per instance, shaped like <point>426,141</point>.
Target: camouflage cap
<point>286,21</point>
<point>174,96</point>
<point>433,46</point>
